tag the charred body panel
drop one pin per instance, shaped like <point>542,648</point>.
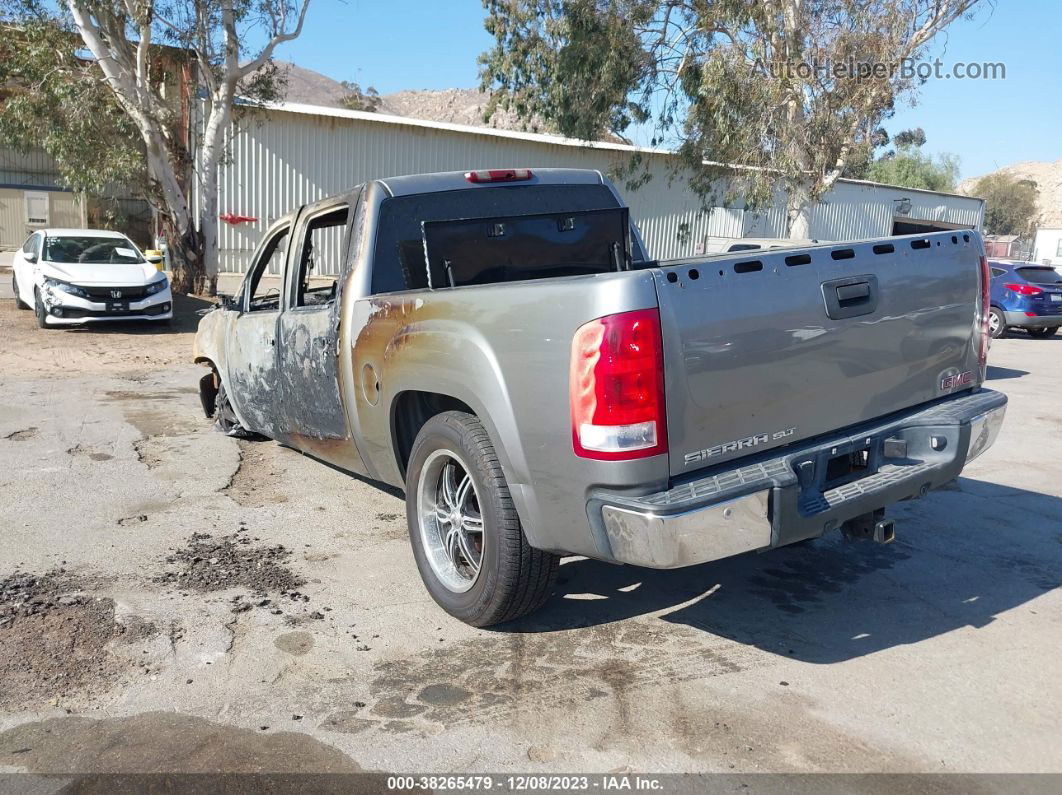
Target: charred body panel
<point>502,350</point>
<point>312,416</point>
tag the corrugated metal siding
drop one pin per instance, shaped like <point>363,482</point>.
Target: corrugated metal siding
<point>281,160</point>
<point>64,210</point>
<point>28,168</point>
<point>854,210</point>
<point>12,219</point>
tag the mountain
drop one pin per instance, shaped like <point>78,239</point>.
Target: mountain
<point>1048,178</point>
<point>453,105</point>
<point>310,87</point>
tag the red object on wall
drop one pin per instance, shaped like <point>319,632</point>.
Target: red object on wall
<point>232,218</point>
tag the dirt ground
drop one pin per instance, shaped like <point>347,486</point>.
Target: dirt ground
<point>172,599</point>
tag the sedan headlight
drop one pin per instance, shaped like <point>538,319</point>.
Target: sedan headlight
<point>157,287</point>
<point>65,287</point>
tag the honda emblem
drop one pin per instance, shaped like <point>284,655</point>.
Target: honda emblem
<point>116,293</point>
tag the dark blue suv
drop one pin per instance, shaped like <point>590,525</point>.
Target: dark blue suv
<point>1025,295</point>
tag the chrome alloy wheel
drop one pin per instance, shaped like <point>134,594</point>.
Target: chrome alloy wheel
<point>993,324</point>
<point>451,525</point>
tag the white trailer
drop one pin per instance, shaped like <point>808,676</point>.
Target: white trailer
<point>1047,248</point>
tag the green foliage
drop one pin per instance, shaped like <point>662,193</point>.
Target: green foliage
<point>145,93</point>
<point>356,99</point>
<point>52,100</point>
<point>907,138</point>
<point>1010,204</point>
<point>910,167</point>
<point>749,84</point>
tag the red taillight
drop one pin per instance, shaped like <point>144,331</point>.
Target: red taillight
<point>985,337</point>
<point>499,175</point>
<point>616,387</point>
<point>1023,289</point>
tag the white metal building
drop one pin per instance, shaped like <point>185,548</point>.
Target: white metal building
<point>292,154</point>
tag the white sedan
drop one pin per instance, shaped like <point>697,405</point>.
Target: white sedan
<point>71,276</point>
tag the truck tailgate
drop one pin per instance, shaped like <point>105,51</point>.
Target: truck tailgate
<point>763,349</point>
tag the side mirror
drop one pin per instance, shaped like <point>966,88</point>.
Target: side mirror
<point>31,257</point>
<point>227,301</point>
<point>154,256</point>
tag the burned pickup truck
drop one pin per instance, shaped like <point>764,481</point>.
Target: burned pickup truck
<point>498,345</point>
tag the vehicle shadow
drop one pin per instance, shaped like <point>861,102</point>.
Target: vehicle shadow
<point>962,557</point>
<point>186,315</point>
<point>1013,334</point>
<point>994,373</point>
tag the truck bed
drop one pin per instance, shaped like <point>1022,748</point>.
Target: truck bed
<point>763,349</point>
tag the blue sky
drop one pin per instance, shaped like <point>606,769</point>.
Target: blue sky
<point>418,44</point>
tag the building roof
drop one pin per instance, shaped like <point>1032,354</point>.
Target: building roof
<point>543,138</point>
<point>383,118</point>
<point>557,140</point>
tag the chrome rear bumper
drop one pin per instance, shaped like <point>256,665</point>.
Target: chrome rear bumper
<point>767,504</point>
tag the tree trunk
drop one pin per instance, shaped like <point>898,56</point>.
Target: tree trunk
<point>208,226</point>
<point>186,257</point>
<point>799,213</point>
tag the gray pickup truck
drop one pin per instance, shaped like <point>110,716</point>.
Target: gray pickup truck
<point>498,345</point>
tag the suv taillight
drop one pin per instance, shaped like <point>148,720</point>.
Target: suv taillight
<point>985,337</point>
<point>1023,289</point>
<point>616,387</point>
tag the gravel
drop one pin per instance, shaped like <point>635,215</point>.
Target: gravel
<point>208,563</point>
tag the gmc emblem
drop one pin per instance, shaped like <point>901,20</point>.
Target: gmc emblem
<point>953,381</point>
<point>116,293</point>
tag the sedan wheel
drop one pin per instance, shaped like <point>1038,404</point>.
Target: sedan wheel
<point>39,310</point>
<point>19,303</point>
<point>996,324</point>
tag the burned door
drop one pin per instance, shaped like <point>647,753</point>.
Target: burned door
<point>250,349</point>
<point>311,414</point>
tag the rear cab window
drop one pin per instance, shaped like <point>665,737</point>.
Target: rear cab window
<point>398,253</point>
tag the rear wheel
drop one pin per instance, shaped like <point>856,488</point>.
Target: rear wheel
<point>19,303</point>
<point>996,324</point>
<point>39,310</point>
<point>465,532</point>
<point>1044,332</point>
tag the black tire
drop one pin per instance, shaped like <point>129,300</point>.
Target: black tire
<point>997,324</point>
<point>1044,332</point>
<point>225,419</point>
<point>19,303</point>
<point>514,578</point>
<point>39,310</point>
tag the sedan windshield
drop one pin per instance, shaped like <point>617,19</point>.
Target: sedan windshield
<point>90,250</point>
<point>1040,275</point>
